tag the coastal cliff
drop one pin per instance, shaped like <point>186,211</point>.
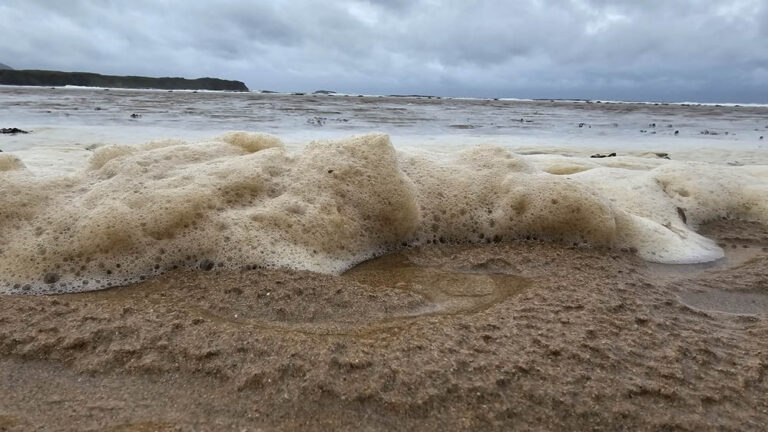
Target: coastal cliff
<point>86,79</point>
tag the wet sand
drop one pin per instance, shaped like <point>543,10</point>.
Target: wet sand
<point>519,336</point>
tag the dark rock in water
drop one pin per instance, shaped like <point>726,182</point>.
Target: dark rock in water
<point>267,91</point>
<point>761,137</point>
<point>677,132</point>
<point>411,96</point>
<point>134,115</point>
<point>681,213</point>
<point>12,131</point>
<point>317,121</point>
<point>662,155</point>
<point>325,92</point>
<point>600,156</point>
<point>298,94</point>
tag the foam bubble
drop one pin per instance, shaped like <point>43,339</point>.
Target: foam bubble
<point>243,200</point>
<point>251,142</point>
<point>102,155</point>
<point>9,162</point>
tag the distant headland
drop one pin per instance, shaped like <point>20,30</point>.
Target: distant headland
<point>86,79</point>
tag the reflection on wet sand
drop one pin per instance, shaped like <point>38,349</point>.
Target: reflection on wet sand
<point>448,291</point>
<point>732,302</point>
<point>389,291</point>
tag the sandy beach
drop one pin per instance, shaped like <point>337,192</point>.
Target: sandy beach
<point>383,215</point>
<point>225,282</point>
<point>522,335</point>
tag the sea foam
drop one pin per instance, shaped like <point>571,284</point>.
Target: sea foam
<point>243,200</point>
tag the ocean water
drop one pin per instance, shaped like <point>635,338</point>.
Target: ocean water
<point>69,121</point>
<point>114,186</point>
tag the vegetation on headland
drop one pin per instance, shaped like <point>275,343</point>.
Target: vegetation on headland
<point>87,79</point>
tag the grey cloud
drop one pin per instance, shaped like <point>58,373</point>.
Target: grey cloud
<point>618,49</point>
<point>395,5</point>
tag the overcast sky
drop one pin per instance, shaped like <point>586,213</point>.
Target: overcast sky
<point>703,50</point>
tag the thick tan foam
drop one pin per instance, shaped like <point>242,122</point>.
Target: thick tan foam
<point>10,162</point>
<point>243,200</point>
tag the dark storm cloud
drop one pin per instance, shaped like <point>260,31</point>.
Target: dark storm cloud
<point>621,49</point>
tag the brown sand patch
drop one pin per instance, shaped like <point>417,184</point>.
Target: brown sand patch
<point>484,337</point>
